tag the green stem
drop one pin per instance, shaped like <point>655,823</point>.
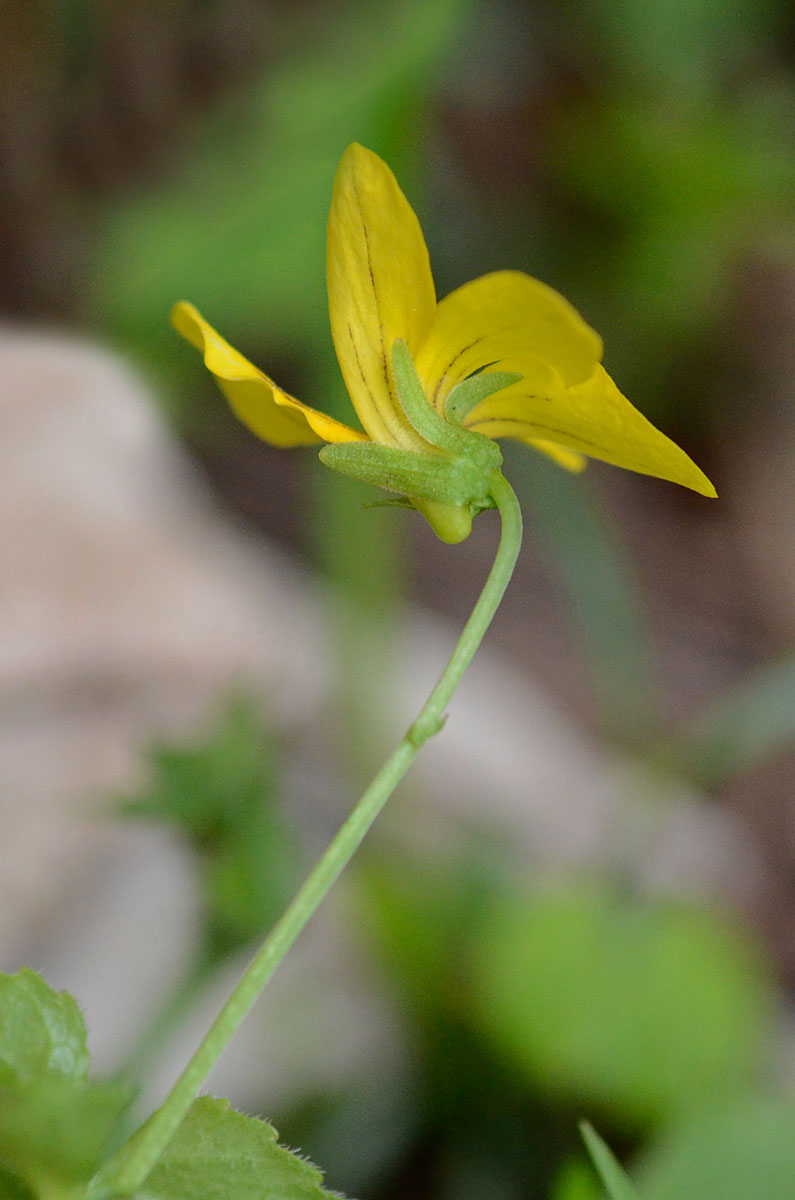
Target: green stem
<point>184,993</point>
<point>128,1169</point>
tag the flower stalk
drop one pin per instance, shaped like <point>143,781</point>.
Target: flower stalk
<point>124,1174</point>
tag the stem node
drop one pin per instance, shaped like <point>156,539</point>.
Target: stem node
<point>425,728</point>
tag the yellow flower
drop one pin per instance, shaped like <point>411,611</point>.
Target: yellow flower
<point>502,356</point>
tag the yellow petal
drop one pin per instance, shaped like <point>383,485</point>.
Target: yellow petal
<point>539,379</point>
<point>570,460</point>
<point>380,288</point>
<point>269,412</point>
<point>591,418</point>
<point>500,316</point>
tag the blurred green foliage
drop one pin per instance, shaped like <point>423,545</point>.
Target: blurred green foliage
<point>742,1149</point>
<point>641,1009</point>
<point>610,1170</point>
<point>650,157</point>
<point>240,227</point>
<point>604,602</point>
<point>677,197</point>
<point>575,1181</point>
<point>744,727</point>
<point>533,1006</point>
<point>221,795</point>
<point>685,49</point>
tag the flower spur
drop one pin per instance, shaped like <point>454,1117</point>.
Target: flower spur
<point>433,384</point>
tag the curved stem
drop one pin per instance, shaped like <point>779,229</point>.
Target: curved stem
<point>128,1169</point>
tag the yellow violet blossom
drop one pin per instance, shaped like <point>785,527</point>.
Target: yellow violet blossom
<point>433,386</point>
<point>502,356</point>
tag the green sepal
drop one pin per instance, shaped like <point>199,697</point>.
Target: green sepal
<point>422,476</point>
<point>452,523</point>
<point>392,502</point>
<point>469,392</point>
<point>477,449</point>
<point>448,488</point>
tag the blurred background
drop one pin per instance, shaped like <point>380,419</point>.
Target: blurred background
<point>202,633</point>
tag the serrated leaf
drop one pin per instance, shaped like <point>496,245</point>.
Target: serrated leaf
<point>219,1154</point>
<point>58,1129</point>
<point>54,1123</point>
<point>610,1170</point>
<point>42,1033</point>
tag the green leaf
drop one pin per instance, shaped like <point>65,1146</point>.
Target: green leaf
<point>753,721</point>
<point>610,1170</point>
<point>42,1033</point>
<point>601,593</point>
<point>58,1130</point>
<point>218,1154</point>
<point>744,1151</point>
<point>683,47</point>
<point>12,1187</point>
<point>221,793</point>
<point>54,1123</point>
<point>575,1181</point>
<point>420,917</point>
<point>644,1009</point>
